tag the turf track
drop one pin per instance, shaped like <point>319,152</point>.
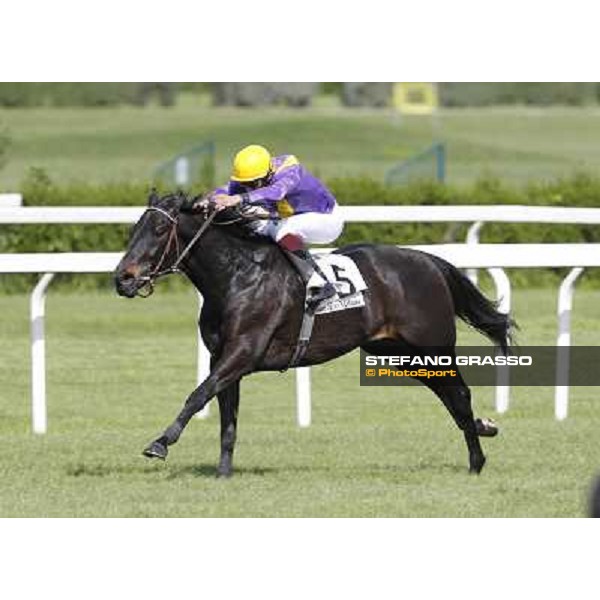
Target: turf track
<point>119,370</point>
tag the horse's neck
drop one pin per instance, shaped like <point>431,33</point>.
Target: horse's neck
<point>220,260</point>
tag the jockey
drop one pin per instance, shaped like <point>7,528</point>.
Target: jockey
<point>303,210</point>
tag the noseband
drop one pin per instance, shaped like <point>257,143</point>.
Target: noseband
<point>158,271</point>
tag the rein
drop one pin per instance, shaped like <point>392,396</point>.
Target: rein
<point>174,268</point>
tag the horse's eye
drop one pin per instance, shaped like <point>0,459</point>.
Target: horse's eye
<point>162,229</point>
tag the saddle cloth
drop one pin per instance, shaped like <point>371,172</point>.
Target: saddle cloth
<point>349,283</point>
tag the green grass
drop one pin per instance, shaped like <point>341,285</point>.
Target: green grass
<point>118,372</point>
<point>127,143</point>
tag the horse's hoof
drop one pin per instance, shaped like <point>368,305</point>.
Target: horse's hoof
<point>224,472</point>
<point>486,427</point>
<point>156,450</point>
<point>476,466</point>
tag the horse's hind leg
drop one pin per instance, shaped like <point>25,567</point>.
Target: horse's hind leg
<point>457,399</point>
<point>229,400</point>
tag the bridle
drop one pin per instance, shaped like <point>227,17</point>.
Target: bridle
<point>158,271</point>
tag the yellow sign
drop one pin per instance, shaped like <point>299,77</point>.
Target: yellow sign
<point>415,98</point>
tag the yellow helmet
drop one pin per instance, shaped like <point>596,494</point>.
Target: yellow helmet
<point>251,163</point>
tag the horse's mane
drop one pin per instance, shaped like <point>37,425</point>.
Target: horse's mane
<point>238,224</point>
<point>234,224</point>
<point>231,221</point>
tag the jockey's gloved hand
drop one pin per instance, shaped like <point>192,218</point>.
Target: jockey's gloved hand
<point>255,211</point>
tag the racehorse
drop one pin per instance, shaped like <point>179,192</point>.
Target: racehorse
<point>254,306</point>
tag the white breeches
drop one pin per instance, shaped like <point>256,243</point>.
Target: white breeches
<point>313,228</point>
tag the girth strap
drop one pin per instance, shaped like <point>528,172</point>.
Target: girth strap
<point>308,320</point>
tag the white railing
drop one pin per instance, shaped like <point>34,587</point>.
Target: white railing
<point>490,256</point>
<point>352,214</point>
<point>10,200</point>
<point>477,215</point>
<point>493,257</point>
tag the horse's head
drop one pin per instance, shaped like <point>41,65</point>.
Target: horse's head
<point>154,246</point>
<point>161,239</point>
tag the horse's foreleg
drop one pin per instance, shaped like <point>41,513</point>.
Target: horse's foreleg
<point>229,400</point>
<point>225,372</point>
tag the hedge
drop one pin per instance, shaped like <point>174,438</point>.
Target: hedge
<point>534,93</point>
<point>579,190</point>
<point>451,94</point>
<point>66,94</point>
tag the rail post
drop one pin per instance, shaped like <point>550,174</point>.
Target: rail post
<point>203,361</point>
<point>473,238</point>
<point>303,400</point>
<point>503,294</point>
<point>563,342</point>
<point>38,355</point>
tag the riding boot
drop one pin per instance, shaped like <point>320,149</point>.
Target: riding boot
<point>305,264</point>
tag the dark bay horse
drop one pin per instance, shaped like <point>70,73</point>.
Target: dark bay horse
<point>254,304</point>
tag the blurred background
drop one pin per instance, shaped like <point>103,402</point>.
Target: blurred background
<point>372,143</point>
<point>124,132</point>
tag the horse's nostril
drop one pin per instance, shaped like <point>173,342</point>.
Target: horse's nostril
<point>128,273</point>
<point>125,284</point>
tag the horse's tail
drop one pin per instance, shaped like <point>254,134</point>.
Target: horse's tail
<point>474,308</point>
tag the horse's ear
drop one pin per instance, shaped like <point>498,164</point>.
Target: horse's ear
<point>153,197</point>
